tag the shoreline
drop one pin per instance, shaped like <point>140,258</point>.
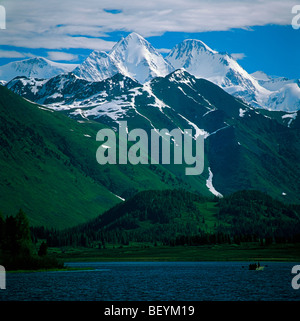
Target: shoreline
<point>248,252</point>
<point>217,253</point>
<point>64,269</point>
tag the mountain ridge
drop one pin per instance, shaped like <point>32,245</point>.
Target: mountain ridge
<point>245,147</point>
<point>135,57</point>
<point>38,67</point>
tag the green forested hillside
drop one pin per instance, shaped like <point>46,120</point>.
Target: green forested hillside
<point>49,168</point>
<point>178,217</point>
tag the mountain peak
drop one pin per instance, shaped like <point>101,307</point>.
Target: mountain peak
<point>35,59</point>
<point>36,67</point>
<point>32,61</point>
<point>132,56</point>
<point>195,57</point>
<point>132,38</point>
<point>134,43</point>
<point>135,35</point>
<point>197,44</point>
<point>179,75</point>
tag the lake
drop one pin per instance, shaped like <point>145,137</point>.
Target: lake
<point>155,281</point>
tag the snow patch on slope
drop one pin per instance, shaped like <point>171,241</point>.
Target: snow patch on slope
<point>210,186</point>
<point>198,130</point>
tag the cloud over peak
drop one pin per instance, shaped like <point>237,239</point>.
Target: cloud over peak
<point>76,24</point>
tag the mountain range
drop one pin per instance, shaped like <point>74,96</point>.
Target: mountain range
<point>52,128</point>
<point>246,147</point>
<point>136,58</point>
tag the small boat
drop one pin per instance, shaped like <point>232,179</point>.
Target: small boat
<point>260,268</point>
<point>256,267</point>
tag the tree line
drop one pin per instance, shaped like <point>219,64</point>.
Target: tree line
<point>17,250</point>
<point>172,217</point>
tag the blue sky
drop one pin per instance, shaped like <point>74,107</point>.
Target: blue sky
<point>273,49</point>
<point>258,33</point>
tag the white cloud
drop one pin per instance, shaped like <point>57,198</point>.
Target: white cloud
<point>10,54</point>
<point>14,54</point>
<point>59,56</point>
<point>60,24</point>
<point>238,56</point>
<point>163,50</point>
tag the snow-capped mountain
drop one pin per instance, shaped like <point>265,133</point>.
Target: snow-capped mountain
<point>221,69</point>
<point>38,67</point>
<point>285,93</point>
<point>273,83</point>
<point>287,98</point>
<point>136,58</point>
<point>96,67</point>
<point>132,56</point>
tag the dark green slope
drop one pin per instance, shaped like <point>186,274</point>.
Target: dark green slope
<point>180,217</point>
<point>246,149</point>
<point>39,166</point>
<point>264,156</point>
<point>49,169</point>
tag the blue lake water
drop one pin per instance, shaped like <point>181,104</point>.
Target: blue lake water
<point>155,281</point>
